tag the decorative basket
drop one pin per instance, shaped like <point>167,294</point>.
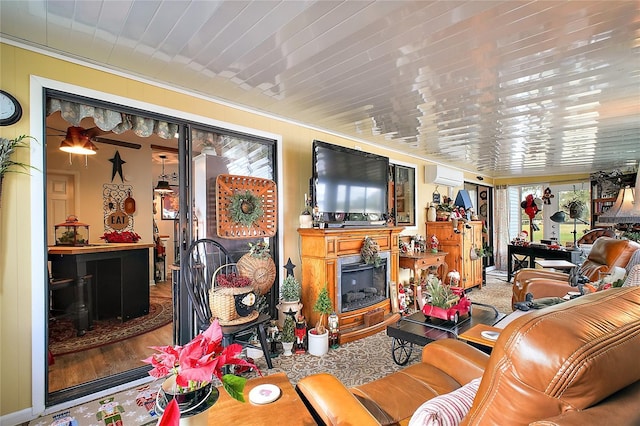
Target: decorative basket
<point>261,271</point>
<point>264,189</point>
<point>232,305</point>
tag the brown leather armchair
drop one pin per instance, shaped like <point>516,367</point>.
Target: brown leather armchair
<point>546,368</point>
<point>605,254</point>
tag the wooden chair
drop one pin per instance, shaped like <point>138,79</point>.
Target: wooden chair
<point>203,258</point>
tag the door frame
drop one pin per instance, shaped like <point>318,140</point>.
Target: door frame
<point>38,258</point>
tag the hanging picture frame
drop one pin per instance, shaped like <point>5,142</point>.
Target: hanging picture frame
<point>436,196</point>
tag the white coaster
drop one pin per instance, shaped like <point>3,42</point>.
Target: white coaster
<point>490,335</point>
<point>264,394</point>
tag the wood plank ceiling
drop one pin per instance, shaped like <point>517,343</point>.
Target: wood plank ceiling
<point>504,88</point>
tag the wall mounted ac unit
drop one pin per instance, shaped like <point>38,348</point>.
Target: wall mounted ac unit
<point>440,175</point>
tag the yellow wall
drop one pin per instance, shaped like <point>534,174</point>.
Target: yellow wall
<point>16,67</point>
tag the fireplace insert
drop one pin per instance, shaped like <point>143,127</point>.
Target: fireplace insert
<point>361,285</point>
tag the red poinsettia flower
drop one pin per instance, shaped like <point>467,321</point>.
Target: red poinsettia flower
<point>197,362</point>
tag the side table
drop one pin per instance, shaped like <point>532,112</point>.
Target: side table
<point>288,409</point>
<point>419,261</point>
<point>474,335</point>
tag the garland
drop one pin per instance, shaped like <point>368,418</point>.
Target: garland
<point>369,252</point>
<point>245,208</point>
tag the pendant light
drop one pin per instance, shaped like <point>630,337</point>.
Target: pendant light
<point>163,186</point>
<point>77,142</point>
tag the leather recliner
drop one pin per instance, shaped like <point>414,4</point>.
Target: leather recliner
<point>592,235</point>
<point>574,363</point>
<point>606,253</point>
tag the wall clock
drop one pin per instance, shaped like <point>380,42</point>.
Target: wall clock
<point>10,109</point>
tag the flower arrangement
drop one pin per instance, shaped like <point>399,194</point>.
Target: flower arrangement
<point>196,363</point>
<point>120,237</point>
<point>232,280</point>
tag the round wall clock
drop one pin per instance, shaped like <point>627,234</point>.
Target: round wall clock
<point>10,109</point>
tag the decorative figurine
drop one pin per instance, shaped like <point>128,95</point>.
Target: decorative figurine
<point>334,331</point>
<point>301,334</point>
<point>402,303</point>
<point>433,244</point>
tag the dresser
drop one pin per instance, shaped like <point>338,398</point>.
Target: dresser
<point>458,246</point>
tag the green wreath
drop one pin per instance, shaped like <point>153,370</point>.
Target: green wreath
<point>245,208</point>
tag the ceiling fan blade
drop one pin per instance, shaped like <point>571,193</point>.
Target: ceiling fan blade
<point>117,143</point>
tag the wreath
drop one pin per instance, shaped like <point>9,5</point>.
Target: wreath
<point>245,208</point>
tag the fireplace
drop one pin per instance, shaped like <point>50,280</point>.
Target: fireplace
<point>328,252</point>
<point>361,285</point>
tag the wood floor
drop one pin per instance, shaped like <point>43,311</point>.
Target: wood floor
<point>81,367</point>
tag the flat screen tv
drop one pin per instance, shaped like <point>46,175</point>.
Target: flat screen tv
<point>349,186</point>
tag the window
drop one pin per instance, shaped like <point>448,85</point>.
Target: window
<point>402,193</point>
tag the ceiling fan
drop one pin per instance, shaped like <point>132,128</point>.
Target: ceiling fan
<point>94,135</point>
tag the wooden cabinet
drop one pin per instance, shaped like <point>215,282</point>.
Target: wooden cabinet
<point>321,250</point>
<point>458,245</point>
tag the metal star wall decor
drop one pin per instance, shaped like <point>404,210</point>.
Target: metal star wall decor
<point>117,166</point>
<point>289,267</point>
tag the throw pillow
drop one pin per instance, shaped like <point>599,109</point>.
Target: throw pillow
<point>448,409</point>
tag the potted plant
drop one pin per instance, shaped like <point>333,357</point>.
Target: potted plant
<point>445,302</point>
<point>290,292</point>
<point>288,334</point>
<point>189,370</point>
<point>7,148</point>
<point>319,335</point>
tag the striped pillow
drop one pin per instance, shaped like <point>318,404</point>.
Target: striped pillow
<point>448,409</point>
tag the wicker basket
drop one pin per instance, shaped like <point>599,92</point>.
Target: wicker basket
<point>224,302</point>
<point>261,271</point>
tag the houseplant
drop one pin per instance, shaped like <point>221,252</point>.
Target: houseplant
<point>290,292</point>
<point>7,148</point>
<point>190,370</point>
<point>288,334</point>
<point>445,302</point>
<point>319,335</point>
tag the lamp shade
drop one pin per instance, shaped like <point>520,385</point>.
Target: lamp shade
<point>559,217</point>
<point>163,187</point>
<point>77,142</point>
<point>463,199</point>
<point>624,210</point>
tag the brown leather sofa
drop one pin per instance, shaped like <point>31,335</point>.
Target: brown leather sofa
<point>606,253</point>
<point>574,363</point>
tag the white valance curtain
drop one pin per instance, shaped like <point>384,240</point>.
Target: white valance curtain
<point>110,120</point>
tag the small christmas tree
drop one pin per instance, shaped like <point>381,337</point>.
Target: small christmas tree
<point>324,307</point>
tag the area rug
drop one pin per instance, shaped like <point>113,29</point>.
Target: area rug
<point>354,363</point>
<point>63,338</point>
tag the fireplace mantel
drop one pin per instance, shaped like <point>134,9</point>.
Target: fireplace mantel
<point>321,249</point>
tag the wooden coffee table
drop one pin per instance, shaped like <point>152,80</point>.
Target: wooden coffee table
<point>416,329</point>
<point>287,409</point>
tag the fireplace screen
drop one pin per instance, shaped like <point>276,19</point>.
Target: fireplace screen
<point>361,285</point>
